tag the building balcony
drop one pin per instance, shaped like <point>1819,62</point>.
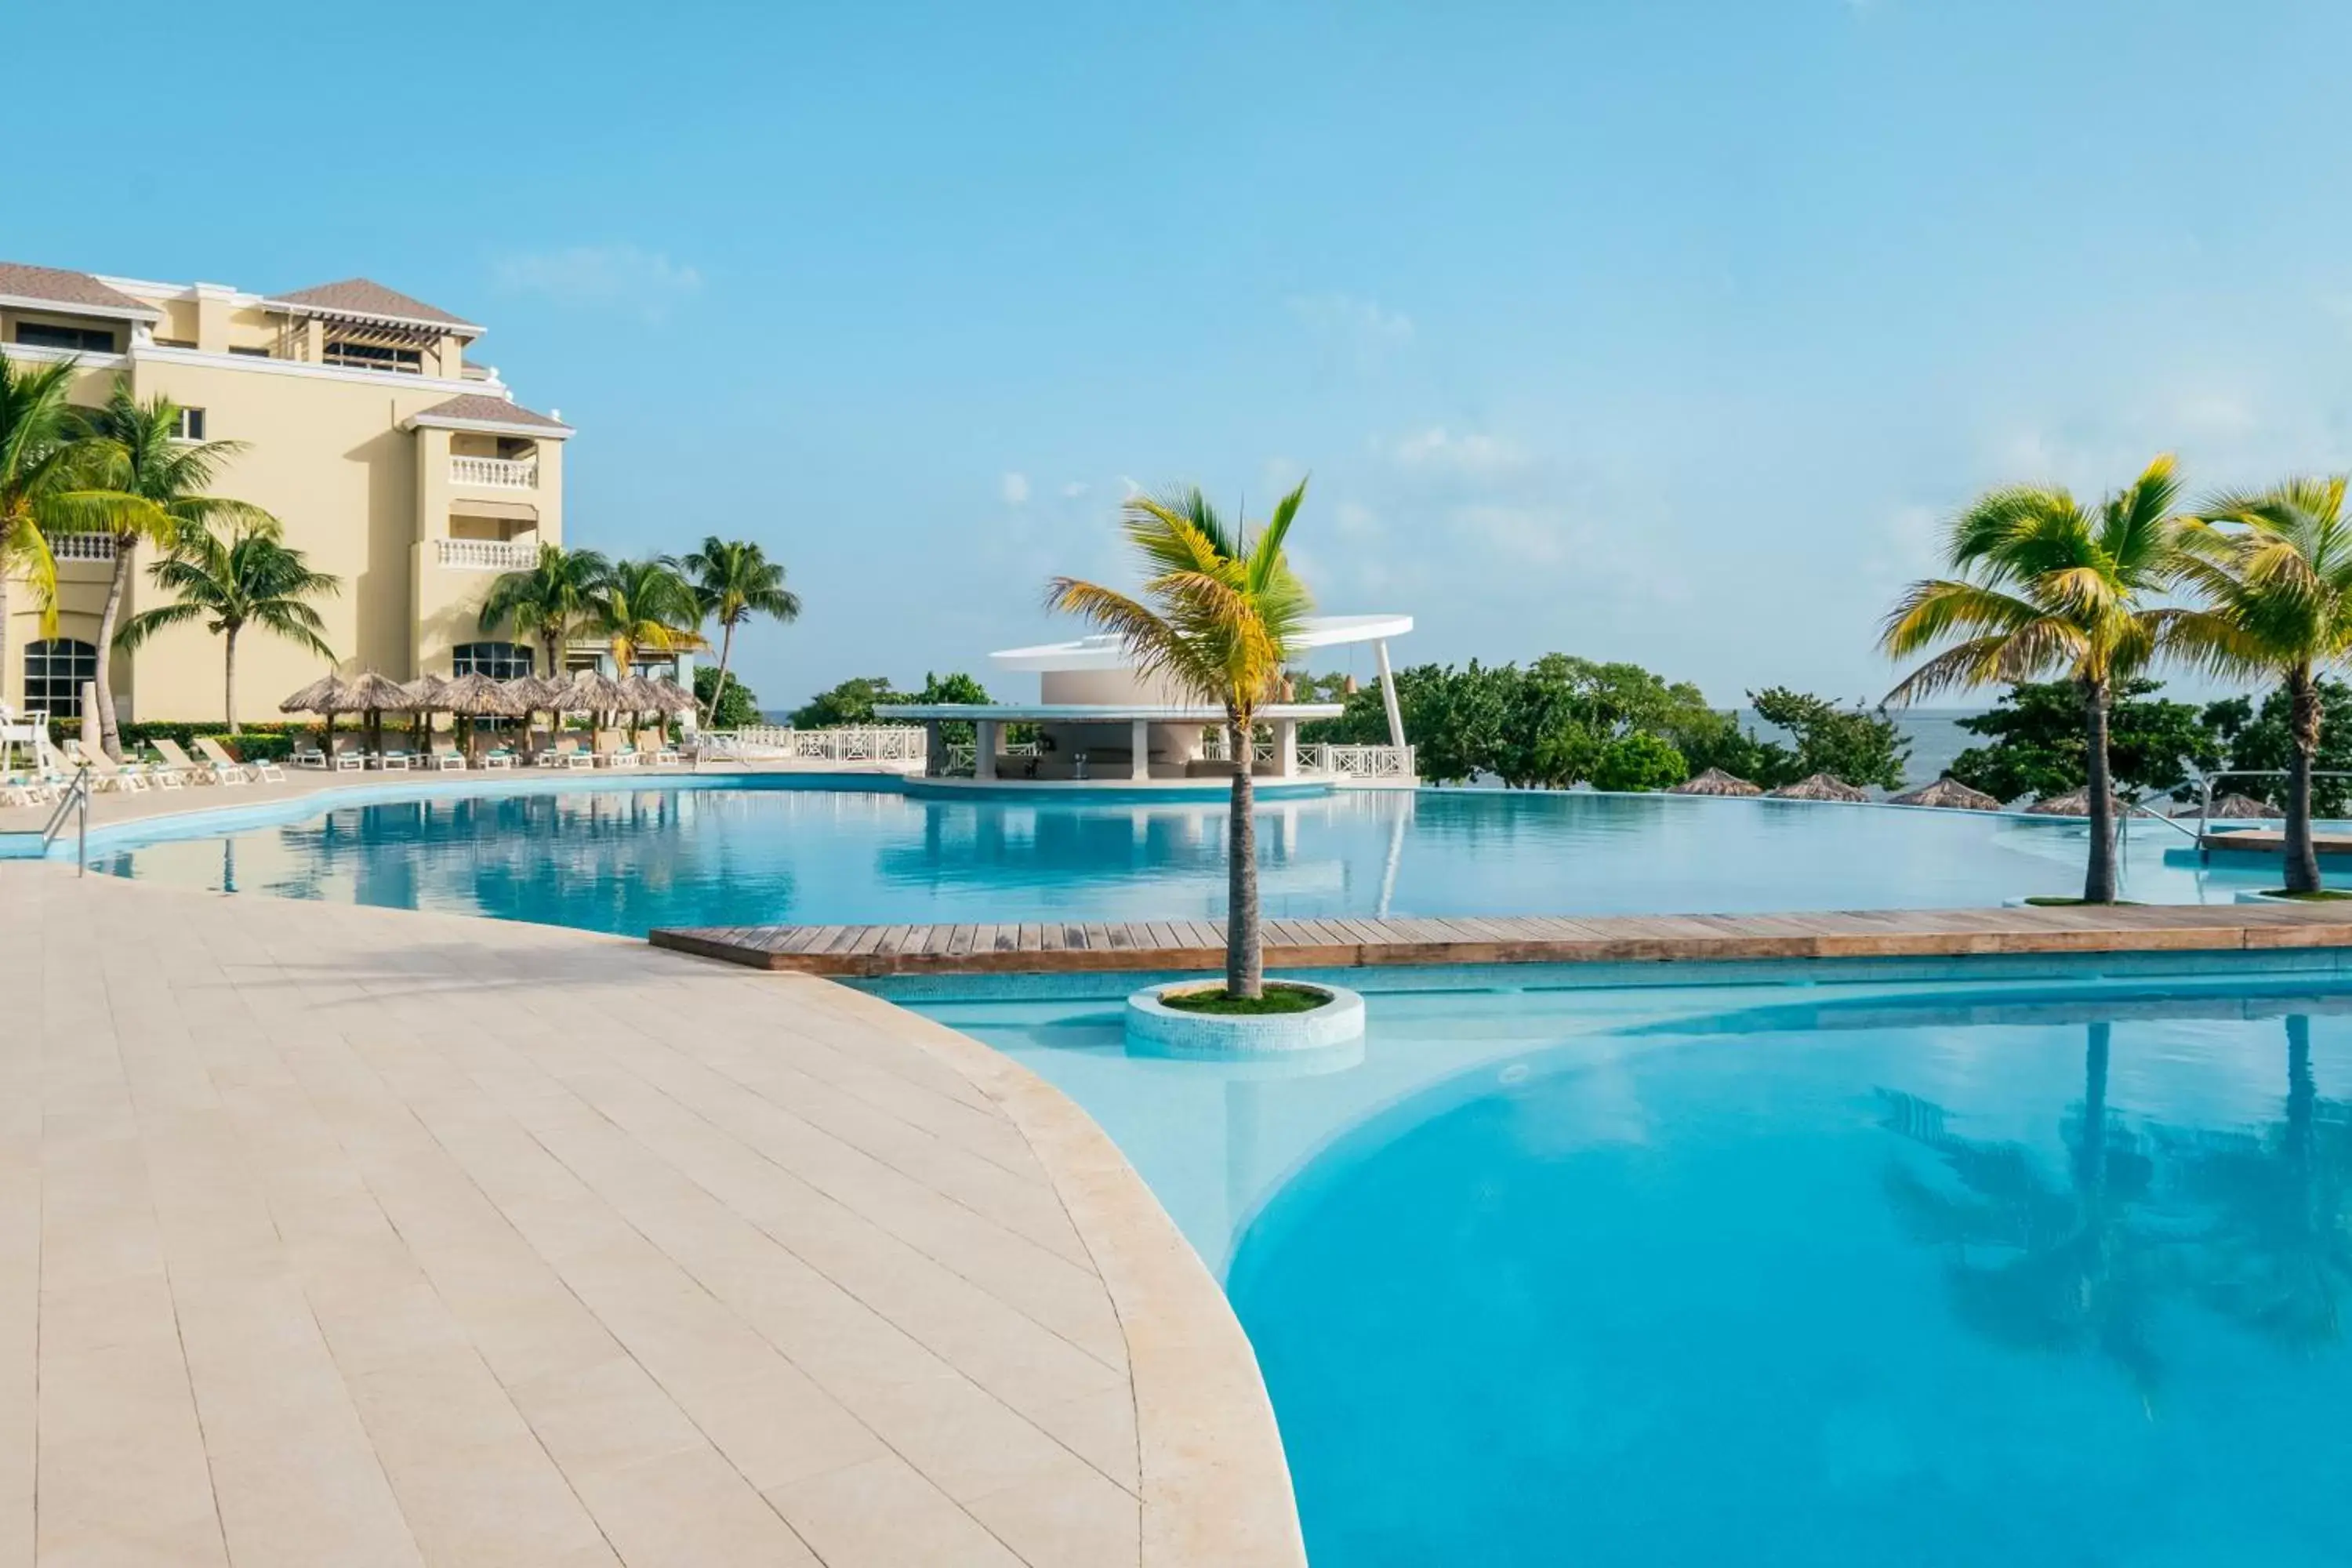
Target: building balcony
<point>495,473</point>
<point>486,554</point>
<point>82,546</point>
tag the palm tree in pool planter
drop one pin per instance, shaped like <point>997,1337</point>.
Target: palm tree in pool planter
<point>139,448</point>
<point>1217,619</point>
<point>2274,572</point>
<point>248,580</point>
<point>2047,586</point>
<point>734,581</point>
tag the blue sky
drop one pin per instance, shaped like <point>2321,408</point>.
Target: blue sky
<point>1662,332</point>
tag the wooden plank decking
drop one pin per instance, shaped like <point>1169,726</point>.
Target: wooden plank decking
<point>869,952</point>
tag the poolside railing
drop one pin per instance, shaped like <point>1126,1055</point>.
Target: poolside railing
<point>844,744</point>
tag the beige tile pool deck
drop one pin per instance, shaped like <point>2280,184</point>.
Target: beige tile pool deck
<point>341,1235</point>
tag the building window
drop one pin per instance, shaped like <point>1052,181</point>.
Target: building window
<point>499,661</point>
<point>374,357</point>
<point>84,340</point>
<point>189,425</point>
<point>249,352</point>
<point>54,672</point>
<point>175,342</point>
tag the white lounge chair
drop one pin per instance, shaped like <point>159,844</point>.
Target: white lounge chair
<point>392,762</point>
<point>448,759</point>
<point>568,754</point>
<point>105,772</point>
<point>203,773</point>
<point>224,768</point>
<point>309,756</point>
<point>349,755</point>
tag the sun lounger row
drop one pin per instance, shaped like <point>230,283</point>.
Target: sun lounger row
<point>610,751</point>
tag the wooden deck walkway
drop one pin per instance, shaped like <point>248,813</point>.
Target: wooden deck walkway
<point>869,952</point>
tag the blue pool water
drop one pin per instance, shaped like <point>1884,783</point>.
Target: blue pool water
<point>2043,1273</point>
<point>625,859</point>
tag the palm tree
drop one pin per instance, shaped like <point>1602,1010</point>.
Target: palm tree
<point>2275,570</point>
<point>45,487</point>
<point>734,581</point>
<point>136,447</point>
<point>2047,587</point>
<point>251,579</point>
<point>643,605</point>
<point>1222,611</point>
<point>552,602</point>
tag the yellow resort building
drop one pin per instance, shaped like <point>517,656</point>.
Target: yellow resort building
<point>394,461</point>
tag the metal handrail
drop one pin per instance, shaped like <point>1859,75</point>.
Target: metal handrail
<point>2205,795</point>
<point>77,795</point>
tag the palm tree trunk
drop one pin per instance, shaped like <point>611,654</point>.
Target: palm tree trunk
<point>2302,720</point>
<point>109,733</point>
<point>718,688</point>
<point>229,677</point>
<point>1244,942</point>
<point>2099,876</point>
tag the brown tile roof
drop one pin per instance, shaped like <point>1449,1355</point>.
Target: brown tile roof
<point>359,297</point>
<point>57,285</point>
<point>483,409</point>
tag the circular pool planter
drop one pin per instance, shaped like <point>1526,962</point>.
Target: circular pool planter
<point>1153,1025</point>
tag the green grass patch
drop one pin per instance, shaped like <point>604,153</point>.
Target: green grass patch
<point>1278,998</point>
<point>2316,895</point>
<point>2053,901</point>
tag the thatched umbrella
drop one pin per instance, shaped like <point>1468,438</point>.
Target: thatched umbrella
<point>1821,786</point>
<point>1715,781</point>
<point>2075,803</point>
<point>592,691</point>
<point>529,694</point>
<point>1949,792</point>
<point>637,700</point>
<point>424,695</point>
<point>374,696</point>
<point>2244,806</point>
<point>323,697</point>
<point>477,696</point>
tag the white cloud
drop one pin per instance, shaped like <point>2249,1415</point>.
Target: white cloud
<point>1014,488</point>
<point>1470,454</point>
<point>1354,520</point>
<point>1361,330</point>
<point>1074,489</point>
<point>599,274</point>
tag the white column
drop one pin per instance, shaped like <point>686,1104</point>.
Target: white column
<point>1286,748</point>
<point>983,763</point>
<point>1388,693</point>
<point>1140,766</point>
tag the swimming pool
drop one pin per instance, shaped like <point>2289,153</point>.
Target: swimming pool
<point>2046,1271</point>
<point>627,857</point>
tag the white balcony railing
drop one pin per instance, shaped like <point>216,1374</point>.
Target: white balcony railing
<point>486,554</point>
<point>82,546</point>
<point>1358,761</point>
<point>849,743</point>
<point>495,473</point>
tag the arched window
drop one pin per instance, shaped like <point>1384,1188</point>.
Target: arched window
<point>54,669</point>
<point>499,661</point>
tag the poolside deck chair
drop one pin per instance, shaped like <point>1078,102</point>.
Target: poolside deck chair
<point>613,750</point>
<point>309,756</point>
<point>568,754</point>
<point>105,772</point>
<point>447,759</point>
<point>203,773</point>
<point>496,757</point>
<point>665,756</point>
<point>392,760</point>
<point>224,768</point>
<point>349,755</point>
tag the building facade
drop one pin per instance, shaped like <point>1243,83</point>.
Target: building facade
<point>393,461</point>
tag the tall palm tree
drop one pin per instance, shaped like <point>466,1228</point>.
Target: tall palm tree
<point>552,602</point>
<point>640,606</point>
<point>46,489</point>
<point>2044,586</point>
<point>137,449</point>
<point>2274,570</point>
<point>1218,616</point>
<point>734,581</point>
<point>251,579</point>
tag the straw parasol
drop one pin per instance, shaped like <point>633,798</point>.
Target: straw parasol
<point>323,695</point>
<point>475,696</point>
<point>1951,793</point>
<point>1715,781</point>
<point>374,696</point>
<point>672,697</point>
<point>2075,803</point>
<point>1821,786</point>
<point>2242,806</point>
<point>592,691</point>
<point>424,695</point>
